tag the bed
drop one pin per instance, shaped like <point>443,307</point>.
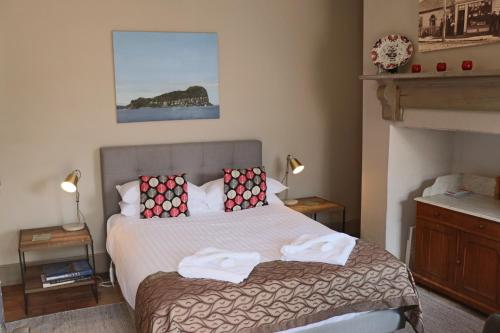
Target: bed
<point>146,255</point>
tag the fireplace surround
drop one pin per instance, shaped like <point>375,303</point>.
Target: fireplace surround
<point>416,157</point>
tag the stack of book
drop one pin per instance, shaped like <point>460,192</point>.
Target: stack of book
<point>60,273</point>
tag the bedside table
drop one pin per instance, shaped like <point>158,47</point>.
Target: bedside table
<point>315,205</point>
<point>38,239</point>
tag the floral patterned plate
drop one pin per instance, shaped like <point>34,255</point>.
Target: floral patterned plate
<point>391,52</point>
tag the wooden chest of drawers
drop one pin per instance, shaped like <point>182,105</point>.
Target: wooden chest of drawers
<point>458,255</point>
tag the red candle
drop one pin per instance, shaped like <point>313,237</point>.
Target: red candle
<point>416,68</point>
<point>467,65</point>
<point>441,66</point>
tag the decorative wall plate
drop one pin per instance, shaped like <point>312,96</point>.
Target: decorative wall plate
<point>391,52</point>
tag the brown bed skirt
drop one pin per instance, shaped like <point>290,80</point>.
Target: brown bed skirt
<point>278,295</point>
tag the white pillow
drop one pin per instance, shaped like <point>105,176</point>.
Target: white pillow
<point>197,199</point>
<point>273,199</point>
<point>129,209</point>
<point>215,192</point>
<point>130,192</point>
<point>274,186</point>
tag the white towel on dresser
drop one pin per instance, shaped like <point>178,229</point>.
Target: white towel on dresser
<point>333,248</point>
<point>217,264</point>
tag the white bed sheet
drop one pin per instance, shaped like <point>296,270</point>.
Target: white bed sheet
<point>139,248</point>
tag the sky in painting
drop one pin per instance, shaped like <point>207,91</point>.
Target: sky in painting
<point>149,64</point>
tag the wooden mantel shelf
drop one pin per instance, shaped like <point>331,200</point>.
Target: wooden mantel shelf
<point>470,91</point>
<point>436,75</point>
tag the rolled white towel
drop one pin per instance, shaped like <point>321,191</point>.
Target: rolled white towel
<point>211,254</point>
<point>227,262</point>
<point>333,248</point>
<point>304,242</point>
<point>328,246</point>
<point>217,264</point>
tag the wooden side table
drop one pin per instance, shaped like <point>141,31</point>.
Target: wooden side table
<point>315,205</point>
<point>32,240</point>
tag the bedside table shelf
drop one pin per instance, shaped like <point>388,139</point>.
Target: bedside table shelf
<point>33,283</point>
<point>315,205</point>
<point>58,238</point>
<point>40,239</point>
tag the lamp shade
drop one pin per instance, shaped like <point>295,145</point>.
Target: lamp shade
<point>71,181</point>
<point>296,166</point>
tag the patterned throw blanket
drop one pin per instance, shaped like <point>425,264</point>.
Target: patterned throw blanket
<point>278,295</point>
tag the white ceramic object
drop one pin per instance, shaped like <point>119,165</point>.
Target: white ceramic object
<point>73,226</point>
<point>474,183</point>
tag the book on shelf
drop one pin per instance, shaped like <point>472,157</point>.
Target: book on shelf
<point>41,237</point>
<point>67,270</point>
<point>60,282</point>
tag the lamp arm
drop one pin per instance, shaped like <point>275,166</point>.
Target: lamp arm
<point>284,180</point>
<point>287,172</point>
<point>77,205</point>
<point>79,215</point>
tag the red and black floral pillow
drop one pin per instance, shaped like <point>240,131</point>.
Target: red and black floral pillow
<point>244,188</point>
<point>163,196</point>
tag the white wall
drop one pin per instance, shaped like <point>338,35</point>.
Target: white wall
<point>477,153</point>
<point>416,158</point>
<point>288,76</point>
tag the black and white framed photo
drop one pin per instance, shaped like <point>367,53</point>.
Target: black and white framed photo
<point>446,24</point>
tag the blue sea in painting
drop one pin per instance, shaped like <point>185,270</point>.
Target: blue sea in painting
<point>169,113</point>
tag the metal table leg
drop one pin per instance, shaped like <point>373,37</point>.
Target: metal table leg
<point>343,219</point>
<point>22,264</point>
<point>87,252</point>
<point>94,289</point>
<point>93,256</point>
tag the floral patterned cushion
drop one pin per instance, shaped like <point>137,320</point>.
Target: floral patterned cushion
<point>163,196</point>
<point>244,188</point>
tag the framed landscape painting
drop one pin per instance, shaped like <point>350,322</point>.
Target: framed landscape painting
<point>166,76</point>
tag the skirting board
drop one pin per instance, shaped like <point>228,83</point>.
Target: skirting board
<point>11,274</point>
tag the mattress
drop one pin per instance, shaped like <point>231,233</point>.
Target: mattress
<point>140,248</point>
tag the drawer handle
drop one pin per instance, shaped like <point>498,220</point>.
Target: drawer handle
<point>482,226</point>
<point>458,261</point>
<point>437,214</point>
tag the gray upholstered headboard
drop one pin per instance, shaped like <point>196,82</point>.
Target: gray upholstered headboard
<point>201,161</point>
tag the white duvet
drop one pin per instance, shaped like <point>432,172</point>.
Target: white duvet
<point>139,248</point>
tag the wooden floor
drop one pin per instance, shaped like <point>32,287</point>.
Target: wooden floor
<point>55,301</point>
